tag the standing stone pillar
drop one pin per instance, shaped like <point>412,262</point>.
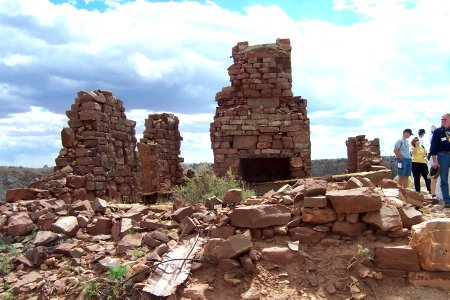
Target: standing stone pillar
<point>99,150</point>
<point>159,151</point>
<point>363,155</point>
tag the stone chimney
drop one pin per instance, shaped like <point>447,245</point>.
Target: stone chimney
<point>260,130</point>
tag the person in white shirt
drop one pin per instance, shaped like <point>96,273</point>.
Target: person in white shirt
<point>421,133</point>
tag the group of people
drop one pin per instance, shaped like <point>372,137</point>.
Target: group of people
<point>431,165</point>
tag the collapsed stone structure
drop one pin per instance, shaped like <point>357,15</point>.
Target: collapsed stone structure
<point>98,158</point>
<point>159,151</point>
<point>363,155</point>
<point>260,130</point>
<point>300,221</point>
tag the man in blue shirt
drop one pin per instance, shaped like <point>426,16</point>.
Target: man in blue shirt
<point>404,161</point>
<point>440,148</point>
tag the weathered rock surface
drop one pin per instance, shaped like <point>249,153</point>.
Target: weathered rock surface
<point>66,225</point>
<point>232,247</point>
<point>315,201</point>
<point>306,235</point>
<point>315,187</point>
<point>129,242</point>
<point>387,218</point>
<point>259,216</point>
<point>19,224</point>
<point>282,255</point>
<point>431,240</point>
<point>397,258</point>
<point>348,229</point>
<point>358,200</point>
<point>410,216</point>
<point>44,238</point>
<point>318,216</point>
<point>233,196</point>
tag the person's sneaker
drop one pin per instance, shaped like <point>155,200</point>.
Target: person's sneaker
<point>447,205</point>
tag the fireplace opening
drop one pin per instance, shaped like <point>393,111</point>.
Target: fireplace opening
<point>264,169</point>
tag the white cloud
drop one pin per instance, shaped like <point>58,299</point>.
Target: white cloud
<point>377,76</point>
<point>16,59</point>
<point>27,129</point>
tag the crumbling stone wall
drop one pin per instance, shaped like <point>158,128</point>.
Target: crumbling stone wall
<point>260,130</point>
<point>159,151</point>
<point>363,154</point>
<point>98,154</point>
<point>322,167</point>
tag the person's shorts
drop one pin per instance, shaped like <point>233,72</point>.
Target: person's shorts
<point>405,170</point>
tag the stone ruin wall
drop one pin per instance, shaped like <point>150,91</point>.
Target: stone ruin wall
<point>98,158</point>
<point>259,126</point>
<point>363,154</point>
<point>323,167</point>
<point>159,151</point>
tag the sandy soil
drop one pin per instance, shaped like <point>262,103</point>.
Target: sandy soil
<point>329,261</point>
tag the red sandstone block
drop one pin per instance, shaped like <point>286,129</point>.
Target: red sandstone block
<point>263,145</point>
<point>63,161</point>
<point>269,129</point>
<point>13,195</point>
<point>397,258</point>
<point>67,137</point>
<point>287,93</point>
<point>75,181</point>
<point>90,106</point>
<point>72,114</point>
<point>243,142</point>
<point>284,86</point>
<point>89,115</point>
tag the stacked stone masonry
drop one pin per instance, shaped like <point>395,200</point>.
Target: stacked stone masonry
<point>260,130</point>
<point>363,154</point>
<point>159,151</point>
<point>98,153</point>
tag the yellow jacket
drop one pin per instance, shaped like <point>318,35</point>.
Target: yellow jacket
<point>419,154</point>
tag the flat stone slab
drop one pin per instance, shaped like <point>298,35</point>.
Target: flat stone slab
<point>260,216</point>
<point>358,200</point>
<point>430,279</point>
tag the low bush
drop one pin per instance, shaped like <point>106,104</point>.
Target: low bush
<point>117,273</point>
<point>6,254</point>
<point>206,185</point>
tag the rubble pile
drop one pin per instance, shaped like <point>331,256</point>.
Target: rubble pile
<point>363,155</point>
<point>98,158</point>
<point>260,130</point>
<point>159,151</point>
<point>62,245</point>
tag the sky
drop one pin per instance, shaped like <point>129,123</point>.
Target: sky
<point>366,67</point>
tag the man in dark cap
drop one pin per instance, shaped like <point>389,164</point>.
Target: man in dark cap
<point>404,161</point>
<point>440,149</point>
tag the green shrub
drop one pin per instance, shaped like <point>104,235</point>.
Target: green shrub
<point>5,266</point>
<point>206,185</point>
<point>89,291</point>
<point>3,246</point>
<point>360,256</point>
<point>137,252</point>
<point>6,253</point>
<point>117,273</point>
<point>8,295</point>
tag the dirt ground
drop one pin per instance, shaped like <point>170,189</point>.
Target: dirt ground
<point>330,259</point>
